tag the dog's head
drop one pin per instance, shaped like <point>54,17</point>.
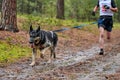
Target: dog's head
<point>34,36</point>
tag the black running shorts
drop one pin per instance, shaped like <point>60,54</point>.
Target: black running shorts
<point>106,22</point>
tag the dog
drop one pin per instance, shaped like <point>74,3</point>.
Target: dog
<point>42,40</point>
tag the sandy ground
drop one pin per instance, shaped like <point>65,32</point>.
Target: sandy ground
<point>77,58</point>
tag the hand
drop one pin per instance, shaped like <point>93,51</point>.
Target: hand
<point>93,13</point>
<point>106,7</point>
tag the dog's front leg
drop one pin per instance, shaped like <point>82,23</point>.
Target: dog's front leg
<point>34,52</point>
<point>43,52</point>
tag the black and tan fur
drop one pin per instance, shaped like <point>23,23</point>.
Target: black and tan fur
<point>42,40</point>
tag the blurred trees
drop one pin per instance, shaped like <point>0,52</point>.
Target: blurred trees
<point>73,9</point>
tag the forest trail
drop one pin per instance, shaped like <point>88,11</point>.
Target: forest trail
<point>72,63</point>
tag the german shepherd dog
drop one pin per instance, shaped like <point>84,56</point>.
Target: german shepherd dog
<point>42,40</point>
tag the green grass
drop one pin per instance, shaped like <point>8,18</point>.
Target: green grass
<point>45,23</point>
<point>10,53</point>
<point>116,25</point>
<point>52,23</point>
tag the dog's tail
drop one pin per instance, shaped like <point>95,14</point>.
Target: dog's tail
<point>60,30</point>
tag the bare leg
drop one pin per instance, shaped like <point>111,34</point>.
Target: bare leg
<point>101,37</point>
<point>108,35</point>
<point>101,40</point>
<point>33,57</point>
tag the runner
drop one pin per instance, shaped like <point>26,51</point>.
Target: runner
<point>105,21</point>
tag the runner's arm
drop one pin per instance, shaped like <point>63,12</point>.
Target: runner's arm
<point>114,7</point>
<point>95,8</point>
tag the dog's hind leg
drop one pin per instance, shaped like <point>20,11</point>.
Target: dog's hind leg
<point>34,52</point>
<point>53,52</point>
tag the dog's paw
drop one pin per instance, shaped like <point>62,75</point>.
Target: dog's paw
<point>32,64</point>
<point>49,61</point>
<point>41,55</point>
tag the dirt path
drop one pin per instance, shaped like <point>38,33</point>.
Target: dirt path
<point>72,63</point>
<point>81,66</point>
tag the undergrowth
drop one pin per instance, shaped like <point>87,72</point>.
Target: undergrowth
<point>10,53</point>
<point>45,23</point>
<point>53,23</point>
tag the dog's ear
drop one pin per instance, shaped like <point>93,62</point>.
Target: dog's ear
<point>31,28</point>
<point>38,29</point>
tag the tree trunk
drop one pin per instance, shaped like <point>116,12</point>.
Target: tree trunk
<point>28,7</point>
<point>0,4</point>
<point>8,16</point>
<point>60,9</point>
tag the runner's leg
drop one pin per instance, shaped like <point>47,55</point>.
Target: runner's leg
<point>101,40</point>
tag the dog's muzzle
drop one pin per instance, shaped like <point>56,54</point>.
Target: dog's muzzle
<point>31,41</point>
<point>34,41</point>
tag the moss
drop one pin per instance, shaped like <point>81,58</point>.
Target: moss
<point>11,53</point>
